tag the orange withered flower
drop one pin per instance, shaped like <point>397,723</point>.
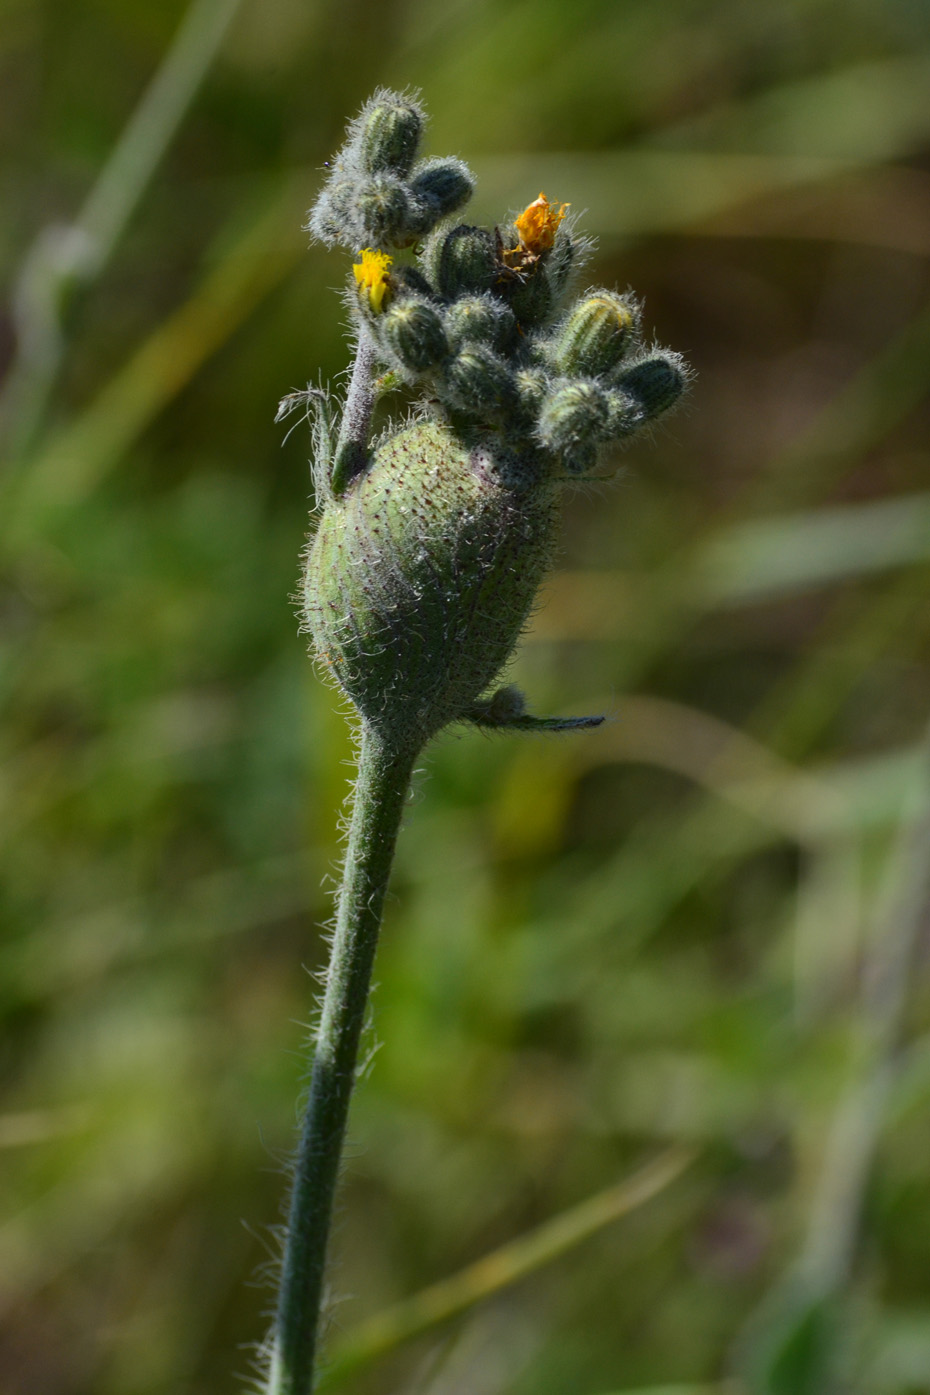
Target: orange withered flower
<point>539,223</point>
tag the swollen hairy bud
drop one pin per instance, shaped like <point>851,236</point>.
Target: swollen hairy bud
<point>382,210</point>
<point>421,577</point>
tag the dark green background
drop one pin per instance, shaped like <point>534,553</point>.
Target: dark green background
<point>703,923</point>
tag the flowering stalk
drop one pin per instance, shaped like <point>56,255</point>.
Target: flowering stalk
<point>379,798</point>
<point>431,542</point>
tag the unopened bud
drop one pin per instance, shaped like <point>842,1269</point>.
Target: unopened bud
<point>480,319</point>
<point>656,383</point>
<point>595,336</point>
<point>461,261</point>
<point>531,384</point>
<point>389,135</point>
<point>383,210</point>
<point>529,295</point>
<point>625,413</point>
<point>412,332</point>
<point>573,421</point>
<point>443,185</point>
<point>478,382</point>
<point>332,218</point>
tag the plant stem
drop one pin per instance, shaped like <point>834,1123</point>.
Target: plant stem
<point>383,781</point>
<point>352,446</point>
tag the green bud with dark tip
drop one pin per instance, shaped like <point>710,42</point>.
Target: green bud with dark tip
<point>656,382</point>
<point>443,185</point>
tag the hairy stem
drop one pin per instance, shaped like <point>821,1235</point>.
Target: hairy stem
<point>383,781</point>
<point>352,446</point>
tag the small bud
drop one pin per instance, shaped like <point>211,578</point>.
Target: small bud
<point>480,319</point>
<point>383,210</point>
<point>595,336</point>
<point>412,332</point>
<point>389,135</point>
<point>332,217</point>
<point>625,414</point>
<point>461,261</point>
<point>478,382</point>
<point>443,185</point>
<point>531,385</point>
<point>655,383</point>
<point>529,295</point>
<point>574,421</point>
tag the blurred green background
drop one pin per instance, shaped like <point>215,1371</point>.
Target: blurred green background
<point>703,926</point>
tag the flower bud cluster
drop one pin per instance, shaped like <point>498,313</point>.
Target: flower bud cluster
<point>432,542</point>
<point>377,194</point>
<point>478,321</point>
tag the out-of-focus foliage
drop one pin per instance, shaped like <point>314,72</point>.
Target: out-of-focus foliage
<point>704,924</point>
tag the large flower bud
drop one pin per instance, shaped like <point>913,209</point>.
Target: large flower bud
<point>422,574</point>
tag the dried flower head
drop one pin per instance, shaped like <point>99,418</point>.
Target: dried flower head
<point>538,224</point>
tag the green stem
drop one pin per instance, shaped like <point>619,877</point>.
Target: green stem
<point>351,451</point>
<point>383,781</point>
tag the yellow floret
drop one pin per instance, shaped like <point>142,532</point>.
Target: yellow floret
<point>371,275</point>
